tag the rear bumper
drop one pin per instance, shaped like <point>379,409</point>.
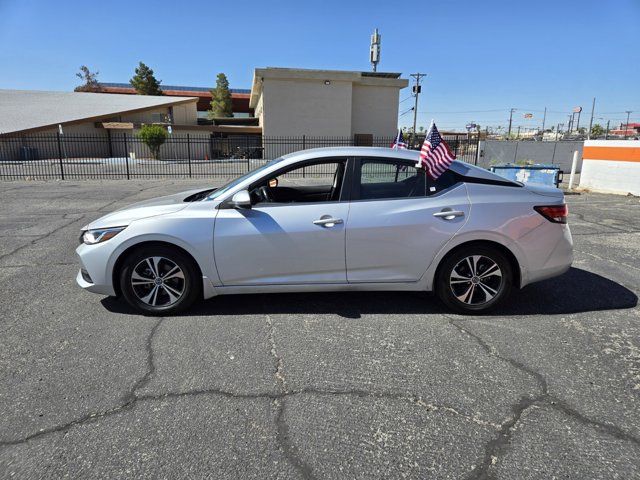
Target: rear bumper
<point>557,259</point>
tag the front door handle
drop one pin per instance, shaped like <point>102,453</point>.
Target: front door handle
<point>449,214</point>
<point>327,221</point>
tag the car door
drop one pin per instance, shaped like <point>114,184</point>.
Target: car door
<point>399,219</point>
<point>295,242</point>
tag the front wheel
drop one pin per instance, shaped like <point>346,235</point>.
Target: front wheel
<point>474,279</point>
<point>159,280</point>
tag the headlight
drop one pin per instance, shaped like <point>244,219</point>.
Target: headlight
<point>91,237</point>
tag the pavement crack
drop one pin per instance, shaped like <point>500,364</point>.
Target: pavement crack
<point>497,447</point>
<point>279,367</point>
<point>608,428</point>
<point>128,400</point>
<point>289,450</point>
<point>492,351</point>
<point>41,237</point>
<point>283,438</point>
<point>151,366</point>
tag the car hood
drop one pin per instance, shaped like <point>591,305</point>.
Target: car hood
<point>148,208</point>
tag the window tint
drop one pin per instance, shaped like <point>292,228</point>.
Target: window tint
<point>380,178</point>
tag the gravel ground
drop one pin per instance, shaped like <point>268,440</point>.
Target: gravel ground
<point>349,385</point>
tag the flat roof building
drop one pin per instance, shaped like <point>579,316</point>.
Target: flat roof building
<point>294,101</point>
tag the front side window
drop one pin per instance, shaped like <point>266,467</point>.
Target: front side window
<point>387,178</point>
<point>312,182</point>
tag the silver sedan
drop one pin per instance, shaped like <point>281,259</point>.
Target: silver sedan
<point>332,219</point>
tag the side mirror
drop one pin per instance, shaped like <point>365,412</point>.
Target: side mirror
<point>241,199</point>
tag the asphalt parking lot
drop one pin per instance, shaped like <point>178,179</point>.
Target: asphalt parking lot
<point>366,385</point>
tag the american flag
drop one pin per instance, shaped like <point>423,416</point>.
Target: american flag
<point>435,156</point>
<point>399,143</point>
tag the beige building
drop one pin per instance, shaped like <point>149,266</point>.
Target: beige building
<point>293,102</point>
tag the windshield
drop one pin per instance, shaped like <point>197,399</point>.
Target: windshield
<point>237,181</point>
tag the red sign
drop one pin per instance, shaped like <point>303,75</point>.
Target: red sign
<point>577,109</point>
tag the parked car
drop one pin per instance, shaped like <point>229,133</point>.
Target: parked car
<point>332,219</point>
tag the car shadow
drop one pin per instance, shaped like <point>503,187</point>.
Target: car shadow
<point>576,291</point>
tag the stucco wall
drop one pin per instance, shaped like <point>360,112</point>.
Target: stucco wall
<point>611,166</point>
<point>185,114</point>
<point>374,110</point>
<point>306,107</point>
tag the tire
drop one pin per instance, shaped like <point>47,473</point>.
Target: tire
<point>159,280</point>
<point>474,279</point>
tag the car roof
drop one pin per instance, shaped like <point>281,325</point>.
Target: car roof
<point>462,168</point>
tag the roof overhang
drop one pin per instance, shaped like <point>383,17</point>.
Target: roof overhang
<point>30,104</point>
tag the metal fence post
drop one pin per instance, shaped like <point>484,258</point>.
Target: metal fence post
<point>126,154</point>
<point>304,147</point>
<point>246,152</point>
<point>110,145</point>
<point>189,153</point>
<point>60,156</point>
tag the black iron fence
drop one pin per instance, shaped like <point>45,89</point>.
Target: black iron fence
<point>122,155</point>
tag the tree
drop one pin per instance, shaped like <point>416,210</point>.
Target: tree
<point>153,137</point>
<point>90,80</point>
<point>221,99</point>
<point>144,82</point>
<point>597,131</point>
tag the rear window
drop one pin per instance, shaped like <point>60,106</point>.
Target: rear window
<point>391,178</point>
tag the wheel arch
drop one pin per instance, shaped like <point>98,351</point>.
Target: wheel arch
<point>117,266</point>
<point>511,257</point>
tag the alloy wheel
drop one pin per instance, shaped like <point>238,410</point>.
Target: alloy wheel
<point>158,281</point>
<point>475,280</point>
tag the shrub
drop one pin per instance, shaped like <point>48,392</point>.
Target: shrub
<point>153,137</point>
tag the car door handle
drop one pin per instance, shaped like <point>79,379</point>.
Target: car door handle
<point>327,222</point>
<point>449,214</point>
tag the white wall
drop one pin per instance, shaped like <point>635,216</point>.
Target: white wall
<point>306,107</point>
<point>374,110</point>
<point>611,166</point>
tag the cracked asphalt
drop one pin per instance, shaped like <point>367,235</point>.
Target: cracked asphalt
<point>350,385</point>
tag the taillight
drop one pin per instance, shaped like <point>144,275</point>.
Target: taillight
<point>554,213</point>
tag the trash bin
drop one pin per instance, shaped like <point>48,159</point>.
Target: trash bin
<point>539,173</point>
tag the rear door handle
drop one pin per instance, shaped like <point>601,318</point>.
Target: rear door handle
<point>449,214</point>
<point>327,222</point>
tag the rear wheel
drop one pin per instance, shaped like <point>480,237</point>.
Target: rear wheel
<point>159,280</point>
<point>474,279</point>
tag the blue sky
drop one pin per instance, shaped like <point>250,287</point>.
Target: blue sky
<point>481,57</point>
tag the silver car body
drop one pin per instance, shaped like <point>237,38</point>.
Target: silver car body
<point>380,245</point>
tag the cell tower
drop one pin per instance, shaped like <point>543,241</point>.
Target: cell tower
<point>374,50</point>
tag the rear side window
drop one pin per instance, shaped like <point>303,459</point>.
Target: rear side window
<point>390,178</point>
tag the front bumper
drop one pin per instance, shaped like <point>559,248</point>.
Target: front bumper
<point>93,275</point>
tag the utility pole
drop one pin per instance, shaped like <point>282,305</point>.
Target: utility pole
<point>518,135</point>
<point>417,88</point>
<point>626,127</point>
<point>593,107</point>
<point>544,120</point>
<point>570,125</point>
<point>606,134</point>
<point>557,131</point>
<point>510,121</point>
<point>578,124</point>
